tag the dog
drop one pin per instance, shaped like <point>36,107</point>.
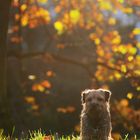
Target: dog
<point>95,116</point>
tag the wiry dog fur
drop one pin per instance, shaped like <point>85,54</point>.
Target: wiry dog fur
<point>95,115</point>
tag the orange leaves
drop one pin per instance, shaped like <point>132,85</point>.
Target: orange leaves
<point>94,37</point>
<point>46,84</point>
<point>31,100</point>
<point>135,2</point>
<point>42,86</point>
<point>128,10</point>
<point>105,5</point>
<point>58,8</point>
<point>69,19</point>
<point>112,38</point>
<point>112,21</point>
<point>68,109</point>
<point>34,16</point>
<point>136,31</point>
<point>50,73</point>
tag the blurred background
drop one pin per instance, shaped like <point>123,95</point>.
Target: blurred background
<point>57,48</point>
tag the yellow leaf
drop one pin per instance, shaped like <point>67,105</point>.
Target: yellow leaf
<point>105,5</point>
<point>136,31</point>
<point>129,95</point>
<point>23,7</point>
<point>58,25</point>
<point>112,21</point>
<point>30,99</point>
<point>138,88</point>
<point>121,1</point>
<point>42,1</point>
<point>118,75</point>
<point>97,41</point>
<point>130,58</point>
<point>116,40</point>
<point>123,68</point>
<point>128,10</point>
<point>132,50</point>
<point>137,72</point>
<point>24,20</point>
<point>74,16</point>
<point>122,49</point>
<point>40,88</point>
<point>138,45</point>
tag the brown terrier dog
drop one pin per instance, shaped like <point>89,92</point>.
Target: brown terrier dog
<point>95,116</point>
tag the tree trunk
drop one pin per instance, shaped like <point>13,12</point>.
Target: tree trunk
<point>4,18</point>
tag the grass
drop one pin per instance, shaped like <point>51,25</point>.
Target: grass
<point>38,135</point>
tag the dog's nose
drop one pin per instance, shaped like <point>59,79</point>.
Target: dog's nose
<point>94,104</point>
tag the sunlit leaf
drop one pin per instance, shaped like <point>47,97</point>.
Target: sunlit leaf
<point>112,21</point>
<point>42,1</point>
<point>129,95</point>
<point>138,88</point>
<point>50,73</point>
<point>137,72</point>
<point>24,20</point>
<point>58,25</point>
<point>74,16</point>
<point>123,68</point>
<point>121,1</point>
<point>97,41</point>
<point>23,7</point>
<point>117,75</point>
<point>124,102</point>
<point>128,10</point>
<point>57,8</point>
<point>122,49</point>
<point>104,5</point>
<point>132,50</point>
<point>68,109</point>
<point>116,40</point>
<point>40,88</point>
<point>30,99</point>
<point>130,58</point>
<point>46,84</point>
<point>136,31</point>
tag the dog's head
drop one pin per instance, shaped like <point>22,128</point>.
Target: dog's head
<point>95,100</point>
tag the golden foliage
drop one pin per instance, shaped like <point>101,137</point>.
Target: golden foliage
<point>35,16</point>
<point>120,58</point>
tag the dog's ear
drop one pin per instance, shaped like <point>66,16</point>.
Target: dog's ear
<point>107,95</point>
<point>83,96</point>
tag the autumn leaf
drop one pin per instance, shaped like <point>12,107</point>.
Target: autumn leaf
<point>74,16</point>
<point>136,31</point>
<point>59,26</point>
